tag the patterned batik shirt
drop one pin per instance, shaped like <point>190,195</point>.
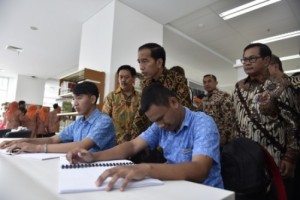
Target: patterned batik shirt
<point>264,113</point>
<point>219,105</point>
<point>174,82</point>
<point>122,109</point>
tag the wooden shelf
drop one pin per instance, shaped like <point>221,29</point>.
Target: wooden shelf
<point>90,75</point>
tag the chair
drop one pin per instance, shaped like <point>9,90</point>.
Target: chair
<point>18,134</point>
<point>275,175</point>
<point>3,132</point>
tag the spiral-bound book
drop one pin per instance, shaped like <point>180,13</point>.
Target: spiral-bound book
<point>82,177</point>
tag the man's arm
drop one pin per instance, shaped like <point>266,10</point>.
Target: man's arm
<point>197,170</point>
<point>121,151</point>
<point>51,145</point>
<point>107,106</point>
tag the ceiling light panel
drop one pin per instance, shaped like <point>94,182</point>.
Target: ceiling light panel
<point>278,37</point>
<point>248,7</point>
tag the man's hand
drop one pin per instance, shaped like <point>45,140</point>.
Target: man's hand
<point>19,147</point>
<point>128,173</point>
<point>287,169</point>
<point>8,143</point>
<point>79,156</point>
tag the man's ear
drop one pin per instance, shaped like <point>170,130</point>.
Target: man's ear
<point>267,60</point>
<point>160,62</point>
<point>93,99</point>
<point>173,102</point>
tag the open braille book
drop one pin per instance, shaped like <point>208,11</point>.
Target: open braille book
<point>82,177</point>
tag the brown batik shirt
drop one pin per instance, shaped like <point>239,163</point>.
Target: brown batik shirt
<point>219,106</point>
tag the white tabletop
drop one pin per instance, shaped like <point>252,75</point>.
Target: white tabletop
<point>26,178</point>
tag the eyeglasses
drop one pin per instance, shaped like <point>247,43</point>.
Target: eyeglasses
<point>251,59</point>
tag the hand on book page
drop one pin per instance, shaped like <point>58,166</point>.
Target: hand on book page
<point>78,155</point>
<point>126,173</point>
<point>88,173</point>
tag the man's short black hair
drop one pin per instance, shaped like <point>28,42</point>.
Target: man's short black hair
<point>264,50</point>
<point>22,102</point>
<point>128,68</point>
<point>157,51</point>
<point>87,88</point>
<point>210,75</point>
<point>178,69</point>
<point>155,94</point>
<point>55,106</point>
<point>276,60</point>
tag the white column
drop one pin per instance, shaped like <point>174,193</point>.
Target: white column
<point>30,90</point>
<point>111,38</point>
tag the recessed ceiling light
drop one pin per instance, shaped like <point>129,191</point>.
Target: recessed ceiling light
<point>248,7</point>
<point>292,71</point>
<point>34,28</point>
<point>290,57</point>
<point>14,49</point>
<point>278,37</point>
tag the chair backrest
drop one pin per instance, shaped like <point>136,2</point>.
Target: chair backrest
<point>18,134</point>
<point>275,175</point>
<point>249,170</point>
<point>3,132</point>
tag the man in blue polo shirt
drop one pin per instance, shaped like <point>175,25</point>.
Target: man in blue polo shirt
<point>190,142</point>
<point>93,130</point>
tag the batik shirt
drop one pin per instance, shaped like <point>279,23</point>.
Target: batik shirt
<point>219,105</point>
<point>174,82</point>
<point>122,109</point>
<point>197,135</point>
<point>264,113</point>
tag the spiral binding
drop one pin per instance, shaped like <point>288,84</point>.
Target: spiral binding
<point>85,165</point>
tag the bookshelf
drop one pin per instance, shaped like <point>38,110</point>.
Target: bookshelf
<point>68,82</point>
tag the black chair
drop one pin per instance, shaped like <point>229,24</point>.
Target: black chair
<point>18,134</point>
<point>3,132</point>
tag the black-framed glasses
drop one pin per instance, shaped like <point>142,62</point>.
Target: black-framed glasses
<point>251,59</point>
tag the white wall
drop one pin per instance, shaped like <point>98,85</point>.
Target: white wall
<point>131,30</point>
<point>96,40</point>
<point>198,63</point>
<point>30,90</point>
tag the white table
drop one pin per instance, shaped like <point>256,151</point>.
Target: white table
<point>32,179</point>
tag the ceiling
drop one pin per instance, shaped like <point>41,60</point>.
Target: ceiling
<point>53,49</point>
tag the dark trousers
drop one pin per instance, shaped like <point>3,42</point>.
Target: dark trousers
<point>45,135</point>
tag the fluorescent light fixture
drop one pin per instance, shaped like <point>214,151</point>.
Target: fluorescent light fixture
<point>278,37</point>
<point>290,57</point>
<point>248,7</point>
<point>292,71</point>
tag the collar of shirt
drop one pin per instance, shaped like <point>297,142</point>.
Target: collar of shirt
<point>162,77</point>
<point>119,90</point>
<point>91,118</point>
<point>185,122</point>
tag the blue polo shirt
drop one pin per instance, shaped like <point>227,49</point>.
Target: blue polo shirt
<point>198,135</point>
<point>98,127</point>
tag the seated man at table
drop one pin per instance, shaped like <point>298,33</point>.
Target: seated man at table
<point>190,142</point>
<point>93,130</point>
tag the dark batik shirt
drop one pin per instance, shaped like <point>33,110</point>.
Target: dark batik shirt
<point>174,82</point>
<point>265,114</point>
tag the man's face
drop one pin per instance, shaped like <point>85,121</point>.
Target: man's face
<point>164,116</point>
<point>148,65</point>
<point>258,64</point>
<point>83,103</point>
<point>272,69</point>
<point>209,84</point>
<point>126,80</point>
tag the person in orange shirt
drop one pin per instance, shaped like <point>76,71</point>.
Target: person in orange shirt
<point>13,116</point>
<point>42,120</point>
<point>53,120</point>
<point>30,119</point>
